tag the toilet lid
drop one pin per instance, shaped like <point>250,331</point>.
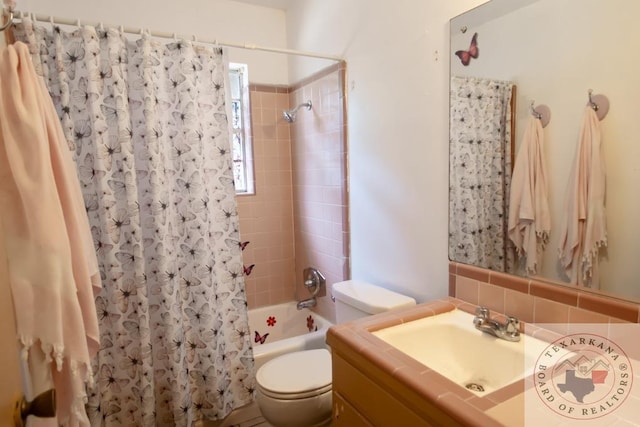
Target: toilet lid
<point>296,373</point>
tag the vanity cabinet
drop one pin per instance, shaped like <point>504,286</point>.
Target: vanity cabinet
<point>358,401</point>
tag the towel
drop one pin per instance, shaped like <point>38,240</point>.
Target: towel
<point>529,221</point>
<point>53,270</point>
<point>583,229</point>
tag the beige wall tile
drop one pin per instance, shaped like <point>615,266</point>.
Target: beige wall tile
<point>467,289</point>
<point>518,305</point>
<point>491,296</point>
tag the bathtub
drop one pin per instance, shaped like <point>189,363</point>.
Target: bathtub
<point>280,329</point>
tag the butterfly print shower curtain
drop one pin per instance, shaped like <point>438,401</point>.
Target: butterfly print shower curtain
<point>480,173</point>
<point>147,124</point>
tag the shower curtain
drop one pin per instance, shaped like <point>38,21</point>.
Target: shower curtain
<point>147,125</point>
<point>480,172</point>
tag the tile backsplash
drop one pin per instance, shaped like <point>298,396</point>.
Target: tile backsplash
<point>536,301</point>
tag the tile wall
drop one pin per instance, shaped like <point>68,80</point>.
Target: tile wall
<point>537,301</point>
<point>298,215</point>
<point>266,217</point>
<point>318,146</point>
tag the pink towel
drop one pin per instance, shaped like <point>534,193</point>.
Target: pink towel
<point>52,266</point>
<point>583,229</point>
<point>529,220</point>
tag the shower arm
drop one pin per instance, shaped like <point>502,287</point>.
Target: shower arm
<point>304,104</point>
<point>290,115</point>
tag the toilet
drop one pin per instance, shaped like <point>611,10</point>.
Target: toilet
<point>294,390</point>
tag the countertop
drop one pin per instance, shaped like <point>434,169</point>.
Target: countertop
<point>513,405</point>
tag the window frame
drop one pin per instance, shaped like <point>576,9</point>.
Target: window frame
<point>243,153</point>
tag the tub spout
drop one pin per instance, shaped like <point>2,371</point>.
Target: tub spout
<point>311,302</point>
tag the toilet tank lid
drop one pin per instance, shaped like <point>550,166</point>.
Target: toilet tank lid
<point>369,298</point>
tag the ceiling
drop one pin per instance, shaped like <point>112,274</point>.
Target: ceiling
<point>275,4</point>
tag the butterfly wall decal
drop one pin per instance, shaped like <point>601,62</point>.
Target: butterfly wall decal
<point>247,270</point>
<point>261,339</point>
<point>466,55</point>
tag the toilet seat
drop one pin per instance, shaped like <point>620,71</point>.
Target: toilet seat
<point>296,375</point>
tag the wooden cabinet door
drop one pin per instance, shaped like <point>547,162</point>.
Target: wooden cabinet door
<point>345,415</point>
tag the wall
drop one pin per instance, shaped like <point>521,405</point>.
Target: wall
<point>556,67</point>
<point>266,217</point>
<point>207,19</point>
<point>397,83</point>
<point>320,182</point>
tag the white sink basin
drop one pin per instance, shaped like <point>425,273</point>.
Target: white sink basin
<point>450,344</point>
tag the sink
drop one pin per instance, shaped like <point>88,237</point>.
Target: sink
<point>449,344</point>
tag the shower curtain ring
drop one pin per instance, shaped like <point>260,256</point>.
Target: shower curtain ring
<point>9,20</point>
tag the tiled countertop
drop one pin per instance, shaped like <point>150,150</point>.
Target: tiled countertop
<point>502,407</point>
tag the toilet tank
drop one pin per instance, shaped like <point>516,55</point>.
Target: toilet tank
<point>356,299</point>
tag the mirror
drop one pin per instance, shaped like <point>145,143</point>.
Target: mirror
<point>554,51</point>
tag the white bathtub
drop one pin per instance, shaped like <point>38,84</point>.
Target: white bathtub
<point>282,328</point>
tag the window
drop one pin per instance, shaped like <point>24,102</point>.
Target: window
<point>240,143</point>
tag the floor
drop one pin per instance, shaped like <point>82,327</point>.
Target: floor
<point>247,416</point>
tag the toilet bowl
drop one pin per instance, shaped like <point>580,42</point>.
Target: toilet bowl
<point>294,390</point>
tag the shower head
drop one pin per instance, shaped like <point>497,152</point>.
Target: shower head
<point>290,116</point>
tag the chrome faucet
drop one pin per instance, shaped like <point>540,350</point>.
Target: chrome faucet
<point>311,302</point>
<point>509,331</point>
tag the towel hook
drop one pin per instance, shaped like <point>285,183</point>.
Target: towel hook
<point>540,112</point>
<point>533,111</point>
<point>591,103</point>
<point>599,103</point>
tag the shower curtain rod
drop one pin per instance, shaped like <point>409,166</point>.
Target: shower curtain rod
<point>166,35</point>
